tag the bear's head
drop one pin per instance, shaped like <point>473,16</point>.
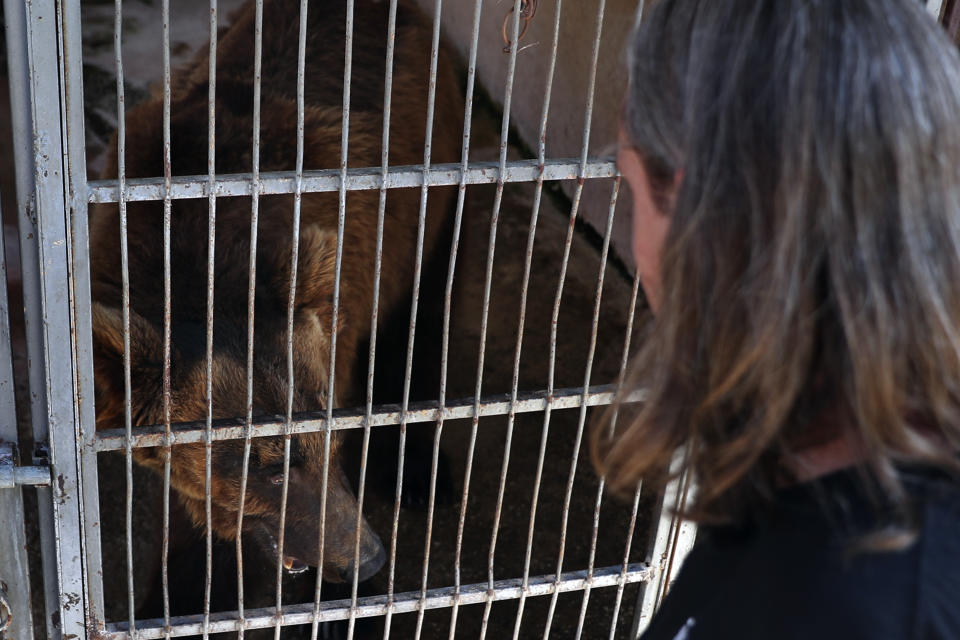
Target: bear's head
<point>308,523</point>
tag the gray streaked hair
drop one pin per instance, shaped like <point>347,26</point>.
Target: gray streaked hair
<point>811,273</point>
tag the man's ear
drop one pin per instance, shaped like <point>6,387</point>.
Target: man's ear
<point>146,346</point>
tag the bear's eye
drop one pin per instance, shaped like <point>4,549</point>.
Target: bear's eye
<point>277,479</point>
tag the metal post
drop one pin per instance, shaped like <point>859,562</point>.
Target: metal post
<point>14,572</point>
<point>76,199</point>
<point>38,124</point>
<point>671,540</point>
<point>21,116</point>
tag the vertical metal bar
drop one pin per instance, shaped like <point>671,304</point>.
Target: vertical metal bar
<point>251,295</point>
<point>22,88</point>
<point>495,217</point>
<point>583,415</point>
<point>335,315</point>
<point>125,307</point>
<point>72,72</point>
<point>167,320</point>
<point>445,339</point>
<point>636,494</point>
<point>374,314</point>
<point>291,306</point>
<point>421,223</point>
<point>43,202</point>
<point>602,484</point>
<point>211,249</point>
<point>621,580</point>
<point>14,571</point>
<point>552,359</point>
<point>531,236</point>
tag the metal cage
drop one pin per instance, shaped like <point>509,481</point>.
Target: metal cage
<point>53,193</point>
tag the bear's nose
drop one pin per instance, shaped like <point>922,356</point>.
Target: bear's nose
<point>372,559</point>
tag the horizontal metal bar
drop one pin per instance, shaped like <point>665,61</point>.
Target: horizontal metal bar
<point>365,179</point>
<point>354,418</point>
<point>379,605</point>
<point>11,477</point>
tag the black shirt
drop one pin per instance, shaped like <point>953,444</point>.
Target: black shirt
<point>795,573</point>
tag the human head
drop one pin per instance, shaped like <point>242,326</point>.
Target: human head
<point>813,252</point>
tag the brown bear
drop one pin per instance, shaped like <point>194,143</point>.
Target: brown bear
<point>315,267</point>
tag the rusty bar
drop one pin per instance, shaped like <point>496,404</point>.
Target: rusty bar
<point>375,307</point>
<point>421,223</point>
<point>125,305</point>
<point>251,296</point>
<point>531,236</point>
<point>575,206</point>
<point>623,366</point>
<point>495,217</point>
<point>583,407</point>
<point>351,418</point>
<point>167,221</point>
<point>624,359</point>
<point>291,307</point>
<point>621,581</point>
<point>211,248</point>
<point>357,179</point>
<point>380,605</point>
<point>335,315</point>
<point>445,338</point>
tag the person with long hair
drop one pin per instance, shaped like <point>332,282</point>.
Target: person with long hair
<point>795,171</point>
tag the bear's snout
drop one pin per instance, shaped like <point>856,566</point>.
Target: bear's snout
<point>371,560</point>
<point>302,533</point>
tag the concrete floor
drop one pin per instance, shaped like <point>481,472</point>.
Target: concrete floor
<point>574,332</point>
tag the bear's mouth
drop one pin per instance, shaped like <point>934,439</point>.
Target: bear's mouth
<point>291,564</point>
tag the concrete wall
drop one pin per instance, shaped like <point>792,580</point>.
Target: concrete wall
<point>578,24</point>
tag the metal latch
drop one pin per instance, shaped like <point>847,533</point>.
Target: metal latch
<point>12,476</point>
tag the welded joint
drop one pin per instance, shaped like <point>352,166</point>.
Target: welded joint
<point>98,633</point>
<point>13,476</point>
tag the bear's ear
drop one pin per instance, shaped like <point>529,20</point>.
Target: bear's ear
<point>146,346</point>
<point>316,271</point>
<point>316,267</point>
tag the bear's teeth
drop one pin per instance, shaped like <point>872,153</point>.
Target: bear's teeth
<point>293,565</point>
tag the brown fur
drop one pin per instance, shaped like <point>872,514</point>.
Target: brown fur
<point>315,276</point>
